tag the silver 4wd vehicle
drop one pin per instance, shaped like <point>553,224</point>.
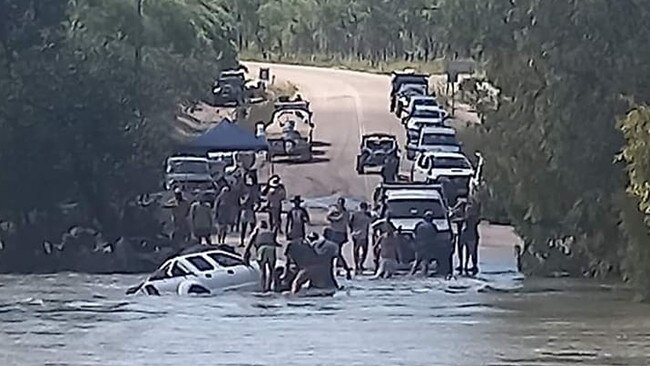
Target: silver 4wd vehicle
<point>421,118</point>
<point>229,89</point>
<point>418,101</point>
<point>291,129</point>
<point>404,206</point>
<point>433,139</point>
<point>374,150</point>
<point>189,173</point>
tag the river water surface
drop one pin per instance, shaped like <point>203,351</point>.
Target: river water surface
<point>494,319</point>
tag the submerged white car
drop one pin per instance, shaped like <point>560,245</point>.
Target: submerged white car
<point>201,273</point>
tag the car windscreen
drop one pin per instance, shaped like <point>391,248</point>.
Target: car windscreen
<point>380,144</point>
<point>415,208</point>
<point>451,163</point>
<point>228,160</point>
<point>429,102</point>
<point>188,167</point>
<point>438,139</point>
<point>423,113</point>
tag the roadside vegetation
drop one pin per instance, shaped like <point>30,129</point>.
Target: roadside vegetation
<point>89,91</point>
<point>573,181</point>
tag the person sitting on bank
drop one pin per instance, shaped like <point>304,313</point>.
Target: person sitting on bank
<point>264,241</point>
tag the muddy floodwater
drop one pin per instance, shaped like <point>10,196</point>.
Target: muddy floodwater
<point>495,319</point>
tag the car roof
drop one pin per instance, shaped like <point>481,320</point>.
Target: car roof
<point>379,135</point>
<point>438,130</point>
<point>432,108</point>
<point>445,154</point>
<point>187,158</point>
<point>416,97</point>
<point>413,194</point>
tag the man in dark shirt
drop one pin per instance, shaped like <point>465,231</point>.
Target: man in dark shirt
<point>360,226</point>
<point>297,220</point>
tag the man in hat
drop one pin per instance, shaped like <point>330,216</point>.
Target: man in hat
<point>264,241</point>
<point>337,230</point>
<point>425,237</point>
<point>360,226</point>
<point>275,194</point>
<point>297,220</point>
<point>201,218</point>
<point>390,169</point>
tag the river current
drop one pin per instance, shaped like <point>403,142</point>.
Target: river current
<point>497,318</point>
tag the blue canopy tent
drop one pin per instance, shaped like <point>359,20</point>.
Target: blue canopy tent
<point>226,136</point>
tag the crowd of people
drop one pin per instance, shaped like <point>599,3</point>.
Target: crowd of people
<point>256,212</point>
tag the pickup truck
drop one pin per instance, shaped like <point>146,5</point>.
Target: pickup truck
<point>432,167</point>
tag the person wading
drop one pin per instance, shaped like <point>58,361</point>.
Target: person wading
<point>201,216</point>
<point>225,212</point>
<point>387,252</point>
<point>360,226</point>
<point>263,239</point>
<point>337,230</point>
<point>425,236</point>
<point>180,217</point>
<point>275,193</point>
<point>297,220</point>
<point>249,202</point>
<point>469,237</point>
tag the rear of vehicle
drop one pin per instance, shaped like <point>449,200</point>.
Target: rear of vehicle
<point>374,151</point>
<point>404,81</point>
<point>420,101</point>
<point>405,208</point>
<point>433,139</point>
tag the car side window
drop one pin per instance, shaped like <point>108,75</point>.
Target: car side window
<point>178,270</point>
<point>427,162</point>
<point>200,263</point>
<point>421,161</point>
<point>161,273</point>
<point>225,261</point>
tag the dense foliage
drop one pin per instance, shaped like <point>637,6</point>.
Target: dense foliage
<point>375,30</point>
<point>90,89</point>
<point>566,70</point>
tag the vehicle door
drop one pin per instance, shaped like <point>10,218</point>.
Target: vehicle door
<point>208,273</point>
<point>168,278</point>
<point>238,272</point>
<point>421,168</point>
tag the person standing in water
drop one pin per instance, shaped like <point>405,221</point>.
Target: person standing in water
<point>201,217</point>
<point>360,226</point>
<point>297,220</point>
<point>425,236</point>
<point>275,193</point>
<point>337,230</point>
<point>248,203</point>
<point>180,217</point>
<point>225,211</point>
<point>263,238</point>
<point>388,253</point>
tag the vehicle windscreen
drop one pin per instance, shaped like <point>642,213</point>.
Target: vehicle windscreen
<point>451,163</point>
<point>380,144</point>
<point>423,113</point>
<point>438,139</point>
<point>415,208</point>
<point>228,160</point>
<point>188,167</point>
<point>429,102</point>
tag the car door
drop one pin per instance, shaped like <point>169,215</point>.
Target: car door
<point>420,168</point>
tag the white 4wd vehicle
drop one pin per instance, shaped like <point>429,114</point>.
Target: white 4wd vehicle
<point>406,205</point>
<point>419,101</point>
<point>432,139</point>
<point>424,117</point>
<point>429,167</point>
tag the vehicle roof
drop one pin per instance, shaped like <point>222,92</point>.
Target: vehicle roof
<point>197,250</point>
<point>379,135</point>
<point>438,130</point>
<point>187,158</point>
<point>415,97</point>
<point>428,108</point>
<point>220,153</point>
<point>413,194</point>
<point>445,154</point>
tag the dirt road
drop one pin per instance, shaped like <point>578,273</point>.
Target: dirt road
<point>346,105</point>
